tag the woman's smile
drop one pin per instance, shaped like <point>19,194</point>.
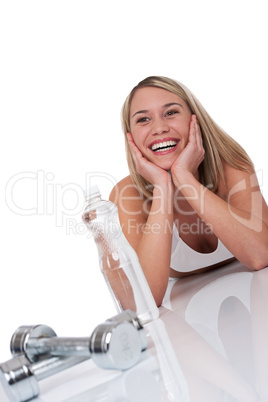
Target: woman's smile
<point>164,146</point>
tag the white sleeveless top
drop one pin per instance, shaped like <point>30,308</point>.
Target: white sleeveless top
<point>185,259</point>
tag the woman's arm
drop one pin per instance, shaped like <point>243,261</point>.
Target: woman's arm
<point>148,225</point>
<point>240,220</point>
<point>148,229</point>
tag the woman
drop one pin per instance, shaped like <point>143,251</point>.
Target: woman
<point>192,201</point>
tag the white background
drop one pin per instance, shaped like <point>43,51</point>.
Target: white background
<point>66,68</point>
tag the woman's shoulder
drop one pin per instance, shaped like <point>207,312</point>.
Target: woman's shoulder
<point>126,194</point>
<point>233,174</point>
<point>123,187</point>
<point>235,177</point>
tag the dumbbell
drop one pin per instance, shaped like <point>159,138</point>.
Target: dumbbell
<point>114,344</point>
<point>19,378</point>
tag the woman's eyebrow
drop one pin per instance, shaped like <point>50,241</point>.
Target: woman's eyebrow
<point>140,111</point>
<point>164,106</point>
<point>172,104</point>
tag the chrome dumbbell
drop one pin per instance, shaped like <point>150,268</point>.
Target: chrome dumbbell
<point>19,378</point>
<point>115,344</point>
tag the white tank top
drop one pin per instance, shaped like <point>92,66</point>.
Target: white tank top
<point>185,259</point>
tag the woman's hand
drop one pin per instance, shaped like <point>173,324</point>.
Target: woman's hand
<point>148,170</point>
<point>192,155</point>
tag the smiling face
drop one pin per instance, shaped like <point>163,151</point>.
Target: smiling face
<point>159,124</point>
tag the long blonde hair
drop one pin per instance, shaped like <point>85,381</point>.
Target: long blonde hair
<point>218,145</point>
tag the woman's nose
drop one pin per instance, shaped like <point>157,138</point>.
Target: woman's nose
<point>159,126</point>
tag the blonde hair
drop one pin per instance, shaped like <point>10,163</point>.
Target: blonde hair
<point>217,144</point>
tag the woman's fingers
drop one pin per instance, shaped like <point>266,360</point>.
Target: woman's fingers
<point>199,140</point>
<point>148,170</point>
<point>192,132</point>
<point>136,153</point>
<point>195,136</point>
<point>192,155</point>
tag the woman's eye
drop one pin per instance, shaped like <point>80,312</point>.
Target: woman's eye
<point>142,119</point>
<point>171,112</point>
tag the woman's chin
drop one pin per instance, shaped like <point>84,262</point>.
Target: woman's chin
<point>165,165</point>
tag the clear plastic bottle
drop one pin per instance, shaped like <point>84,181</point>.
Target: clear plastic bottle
<point>118,261</point>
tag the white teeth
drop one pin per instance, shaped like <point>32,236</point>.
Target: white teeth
<point>164,144</point>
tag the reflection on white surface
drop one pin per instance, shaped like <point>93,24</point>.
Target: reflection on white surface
<point>204,308</point>
<point>209,345</point>
<point>218,324</point>
<point>174,385</point>
<point>138,384</point>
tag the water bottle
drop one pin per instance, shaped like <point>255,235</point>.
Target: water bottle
<point>118,261</point>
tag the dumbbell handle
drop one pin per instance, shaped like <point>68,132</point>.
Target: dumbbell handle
<point>59,346</point>
<point>47,367</point>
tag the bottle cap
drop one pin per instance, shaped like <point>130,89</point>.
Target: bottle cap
<point>92,192</point>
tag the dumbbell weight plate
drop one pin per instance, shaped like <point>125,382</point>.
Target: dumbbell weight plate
<point>21,338</point>
<point>18,380</point>
<point>116,346</point>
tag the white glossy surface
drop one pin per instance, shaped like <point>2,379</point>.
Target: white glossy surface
<point>210,345</point>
